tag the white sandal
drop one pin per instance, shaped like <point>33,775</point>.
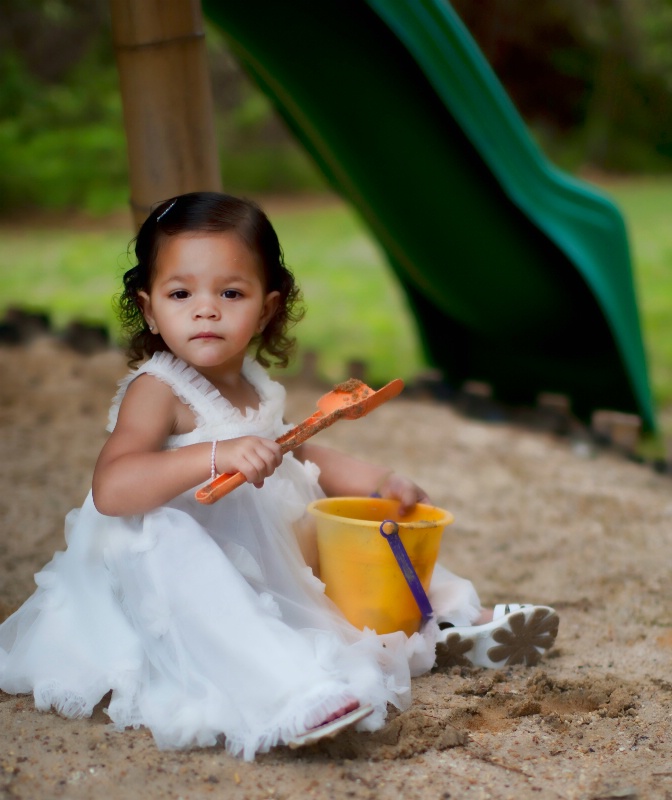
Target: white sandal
<point>331,728</point>
<point>517,634</point>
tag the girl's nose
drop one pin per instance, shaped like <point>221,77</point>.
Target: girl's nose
<point>206,308</point>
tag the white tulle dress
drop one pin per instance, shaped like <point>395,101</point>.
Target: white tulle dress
<point>204,622</point>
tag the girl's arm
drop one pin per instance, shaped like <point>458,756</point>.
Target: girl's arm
<point>342,475</point>
<point>134,475</point>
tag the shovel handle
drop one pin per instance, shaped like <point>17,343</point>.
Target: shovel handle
<point>318,421</point>
<point>228,481</point>
<point>222,485</point>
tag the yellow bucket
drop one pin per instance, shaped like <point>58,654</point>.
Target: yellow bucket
<point>358,567</point>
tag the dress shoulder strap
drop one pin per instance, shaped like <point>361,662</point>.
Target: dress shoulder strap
<point>192,388</point>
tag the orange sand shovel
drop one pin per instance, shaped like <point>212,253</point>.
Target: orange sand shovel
<point>350,400</point>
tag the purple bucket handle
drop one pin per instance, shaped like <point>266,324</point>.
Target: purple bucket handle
<point>400,554</point>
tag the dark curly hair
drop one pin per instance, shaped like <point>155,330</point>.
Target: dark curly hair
<point>210,212</point>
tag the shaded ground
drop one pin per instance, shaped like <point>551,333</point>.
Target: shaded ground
<point>536,518</point>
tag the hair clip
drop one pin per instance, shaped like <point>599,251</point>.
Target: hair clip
<point>166,210</point>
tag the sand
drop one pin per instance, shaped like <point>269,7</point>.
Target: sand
<point>538,518</point>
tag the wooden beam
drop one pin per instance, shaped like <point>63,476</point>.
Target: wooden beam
<point>167,99</point>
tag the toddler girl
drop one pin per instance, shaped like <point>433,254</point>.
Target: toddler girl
<point>206,623</point>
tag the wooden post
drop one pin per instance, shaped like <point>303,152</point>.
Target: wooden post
<point>167,100</point>
<point>618,429</point>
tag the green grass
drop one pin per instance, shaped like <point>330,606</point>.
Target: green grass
<point>70,274</point>
<point>354,308</point>
<point>646,204</point>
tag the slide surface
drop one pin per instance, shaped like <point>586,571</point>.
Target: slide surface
<point>516,273</point>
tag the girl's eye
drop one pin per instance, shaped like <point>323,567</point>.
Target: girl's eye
<point>231,294</point>
<point>180,294</point>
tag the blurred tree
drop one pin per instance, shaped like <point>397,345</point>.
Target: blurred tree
<point>61,132</point>
<point>51,36</point>
<point>61,138</point>
<point>593,78</point>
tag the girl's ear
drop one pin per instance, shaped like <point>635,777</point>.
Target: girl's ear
<point>270,306</point>
<point>146,307</point>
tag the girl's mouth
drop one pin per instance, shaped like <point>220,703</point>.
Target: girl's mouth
<point>207,335</point>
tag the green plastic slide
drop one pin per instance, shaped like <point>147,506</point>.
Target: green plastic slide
<point>516,273</point>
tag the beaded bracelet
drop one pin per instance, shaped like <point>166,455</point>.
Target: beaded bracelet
<point>213,461</point>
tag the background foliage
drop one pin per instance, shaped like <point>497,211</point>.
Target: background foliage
<point>592,78</point>
<point>62,142</point>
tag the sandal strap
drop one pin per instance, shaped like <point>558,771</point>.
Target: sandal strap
<point>502,609</point>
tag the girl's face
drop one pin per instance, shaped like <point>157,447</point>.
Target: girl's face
<point>208,299</point>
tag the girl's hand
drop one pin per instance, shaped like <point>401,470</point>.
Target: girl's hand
<point>344,476</point>
<point>257,458</point>
<point>401,488</point>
